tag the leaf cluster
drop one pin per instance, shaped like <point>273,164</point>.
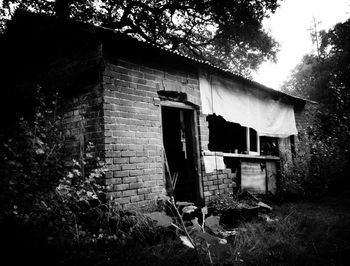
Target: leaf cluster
<point>52,203</point>
<point>226,33</point>
<point>32,160</point>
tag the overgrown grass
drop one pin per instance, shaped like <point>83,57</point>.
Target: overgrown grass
<point>306,233</point>
<point>302,233</point>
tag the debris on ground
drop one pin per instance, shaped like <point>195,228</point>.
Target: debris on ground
<point>264,206</point>
<point>234,209</point>
<point>268,219</point>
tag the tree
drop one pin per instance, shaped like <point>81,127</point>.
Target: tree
<point>325,79</point>
<point>227,33</point>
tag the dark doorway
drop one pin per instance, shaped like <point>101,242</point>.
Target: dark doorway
<point>180,145</point>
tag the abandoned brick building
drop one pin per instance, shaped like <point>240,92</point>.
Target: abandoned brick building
<point>161,120</point>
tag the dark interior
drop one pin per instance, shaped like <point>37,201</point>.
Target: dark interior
<point>179,148</point>
<point>226,136</point>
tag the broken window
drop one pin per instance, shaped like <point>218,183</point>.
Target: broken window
<point>252,141</point>
<point>269,146</point>
<point>231,137</point>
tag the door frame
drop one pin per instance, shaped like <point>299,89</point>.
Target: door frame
<point>195,140</point>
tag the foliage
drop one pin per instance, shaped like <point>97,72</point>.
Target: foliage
<point>325,79</point>
<point>69,222</point>
<point>32,160</point>
<point>54,208</point>
<point>227,33</point>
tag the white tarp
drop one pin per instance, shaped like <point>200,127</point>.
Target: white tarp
<point>236,104</point>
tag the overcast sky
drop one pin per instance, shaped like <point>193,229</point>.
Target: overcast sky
<point>290,27</point>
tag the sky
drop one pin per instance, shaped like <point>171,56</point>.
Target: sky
<point>290,26</point>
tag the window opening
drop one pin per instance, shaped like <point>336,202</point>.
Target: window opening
<point>269,146</point>
<point>231,137</point>
<point>252,142</point>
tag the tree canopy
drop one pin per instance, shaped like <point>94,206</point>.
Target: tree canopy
<point>325,79</point>
<point>227,33</point>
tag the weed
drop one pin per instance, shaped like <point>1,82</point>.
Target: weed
<point>303,233</point>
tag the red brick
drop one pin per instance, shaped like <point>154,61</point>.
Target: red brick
<point>136,172</point>
<point>144,191</point>
<point>135,186</point>
<point>137,198</point>
<point>121,160</point>
<point>128,167</point>
<point>137,159</point>
<point>121,187</point>
<point>128,153</point>
<point>123,200</point>
<point>129,179</point>
<point>121,173</point>
<point>127,193</point>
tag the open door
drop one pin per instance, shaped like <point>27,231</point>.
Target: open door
<point>181,154</point>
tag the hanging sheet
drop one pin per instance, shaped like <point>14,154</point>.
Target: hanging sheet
<point>235,103</point>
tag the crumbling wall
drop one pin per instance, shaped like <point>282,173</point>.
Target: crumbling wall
<point>220,181</point>
<point>133,133</point>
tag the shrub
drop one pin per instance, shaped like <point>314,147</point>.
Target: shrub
<point>54,209</point>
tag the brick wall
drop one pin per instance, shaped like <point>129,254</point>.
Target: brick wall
<point>133,133</point>
<point>123,120</point>
<point>83,121</point>
<point>219,182</point>
<point>203,132</point>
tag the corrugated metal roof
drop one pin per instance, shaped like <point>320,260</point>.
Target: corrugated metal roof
<point>206,63</point>
<point>28,15</point>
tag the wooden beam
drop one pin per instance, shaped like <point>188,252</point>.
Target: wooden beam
<point>176,105</point>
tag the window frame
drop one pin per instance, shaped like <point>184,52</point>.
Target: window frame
<point>244,136</point>
<point>257,152</point>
